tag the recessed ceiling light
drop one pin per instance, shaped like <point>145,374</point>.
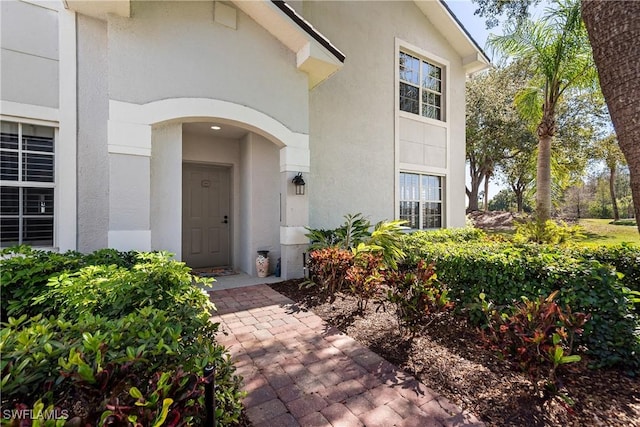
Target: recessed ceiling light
<point>216,127</point>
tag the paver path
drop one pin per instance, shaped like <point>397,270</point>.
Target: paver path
<point>298,371</point>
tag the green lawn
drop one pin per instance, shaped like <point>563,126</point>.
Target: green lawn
<point>600,232</point>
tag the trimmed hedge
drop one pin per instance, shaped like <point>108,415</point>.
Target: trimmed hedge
<point>506,273</point>
<point>127,335</point>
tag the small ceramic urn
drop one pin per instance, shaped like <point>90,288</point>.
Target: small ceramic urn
<point>262,263</point>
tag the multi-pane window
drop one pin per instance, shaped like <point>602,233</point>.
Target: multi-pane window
<point>421,200</point>
<point>27,166</point>
<point>420,87</point>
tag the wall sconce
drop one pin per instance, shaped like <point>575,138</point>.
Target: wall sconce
<point>298,181</point>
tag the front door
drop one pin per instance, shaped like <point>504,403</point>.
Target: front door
<point>205,215</point>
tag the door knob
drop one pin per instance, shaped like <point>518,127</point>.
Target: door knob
<point>226,220</point>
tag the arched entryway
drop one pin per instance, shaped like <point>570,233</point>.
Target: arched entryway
<point>261,156</point>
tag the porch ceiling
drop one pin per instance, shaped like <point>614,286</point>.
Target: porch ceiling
<point>226,130</point>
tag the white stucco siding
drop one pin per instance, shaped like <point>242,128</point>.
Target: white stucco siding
<point>93,113</point>
<point>455,185</point>
<point>203,59</point>
<point>29,55</point>
<point>351,116</point>
<point>355,138</point>
<point>166,188</point>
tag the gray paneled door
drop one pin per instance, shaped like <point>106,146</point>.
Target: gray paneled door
<point>205,215</point>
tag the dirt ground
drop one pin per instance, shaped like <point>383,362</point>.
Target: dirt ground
<point>448,357</point>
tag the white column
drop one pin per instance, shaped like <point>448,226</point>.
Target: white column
<point>129,147</point>
<point>294,158</point>
<point>166,188</point>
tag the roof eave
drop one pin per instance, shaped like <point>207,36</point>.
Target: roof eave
<point>99,9</point>
<point>315,55</point>
<point>473,57</point>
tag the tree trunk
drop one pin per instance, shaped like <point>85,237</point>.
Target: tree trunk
<point>473,193</point>
<point>612,190</point>
<point>519,200</point>
<point>486,191</point>
<point>543,179</point>
<point>614,33</point>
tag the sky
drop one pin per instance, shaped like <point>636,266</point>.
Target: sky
<point>475,25</point>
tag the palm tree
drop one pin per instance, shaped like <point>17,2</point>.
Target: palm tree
<point>614,32</point>
<point>557,48</point>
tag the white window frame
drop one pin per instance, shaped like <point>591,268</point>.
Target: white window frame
<point>21,184</point>
<point>421,201</point>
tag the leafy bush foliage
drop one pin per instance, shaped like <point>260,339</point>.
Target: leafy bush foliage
<point>547,232</point>
<point>25,273</point>
<point>130,344</point>
<point>328,270</point>
<point>417,294</point>
<point>624,257</point>
<point>505,273</point>
<point>365,277</point>
<point>537,336</point>
<point>354,234</point>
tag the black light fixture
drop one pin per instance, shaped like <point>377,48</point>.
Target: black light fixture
<point>298,181</point>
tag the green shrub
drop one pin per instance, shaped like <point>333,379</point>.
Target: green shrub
<point>129,343</point>
<point>548,232</point>
<point>505,273</point>
<point>624,257</point>
<point>25,272</point>
<point>536,336</point>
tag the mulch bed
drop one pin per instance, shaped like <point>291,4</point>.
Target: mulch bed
<point>448,357</point>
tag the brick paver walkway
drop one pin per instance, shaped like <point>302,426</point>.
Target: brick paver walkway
<point>298,371</point>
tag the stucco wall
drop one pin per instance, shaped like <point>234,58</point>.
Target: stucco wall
<point>203,59</point>
<point>166,188</point>
<point>93,112</point>
<point>260,201</point>
<point>352,115</point>
<point>29,54</point>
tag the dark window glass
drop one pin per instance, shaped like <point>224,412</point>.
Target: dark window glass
<point>37,138</point>
<point>37,167</point>
<point>409,96</point>
<point>9,135</point>
<point>410,212</point>
<point>10,200</point>
<point>37,231</point>
<point>9,165</point>
<point>38,201</point>
<point>9,231</point>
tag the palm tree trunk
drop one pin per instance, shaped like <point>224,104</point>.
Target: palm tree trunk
<point>614,31</point>
<point>543,178</point>
<point>612,190</point>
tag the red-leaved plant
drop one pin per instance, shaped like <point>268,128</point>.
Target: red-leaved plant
<point>536,336</point>
<point>365,277</point>
<point>417,294</point>
<point>328,270</point>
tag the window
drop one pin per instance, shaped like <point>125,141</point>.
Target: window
<point>27,184</point>
<point>421,200</point>
<point>420,87</point>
